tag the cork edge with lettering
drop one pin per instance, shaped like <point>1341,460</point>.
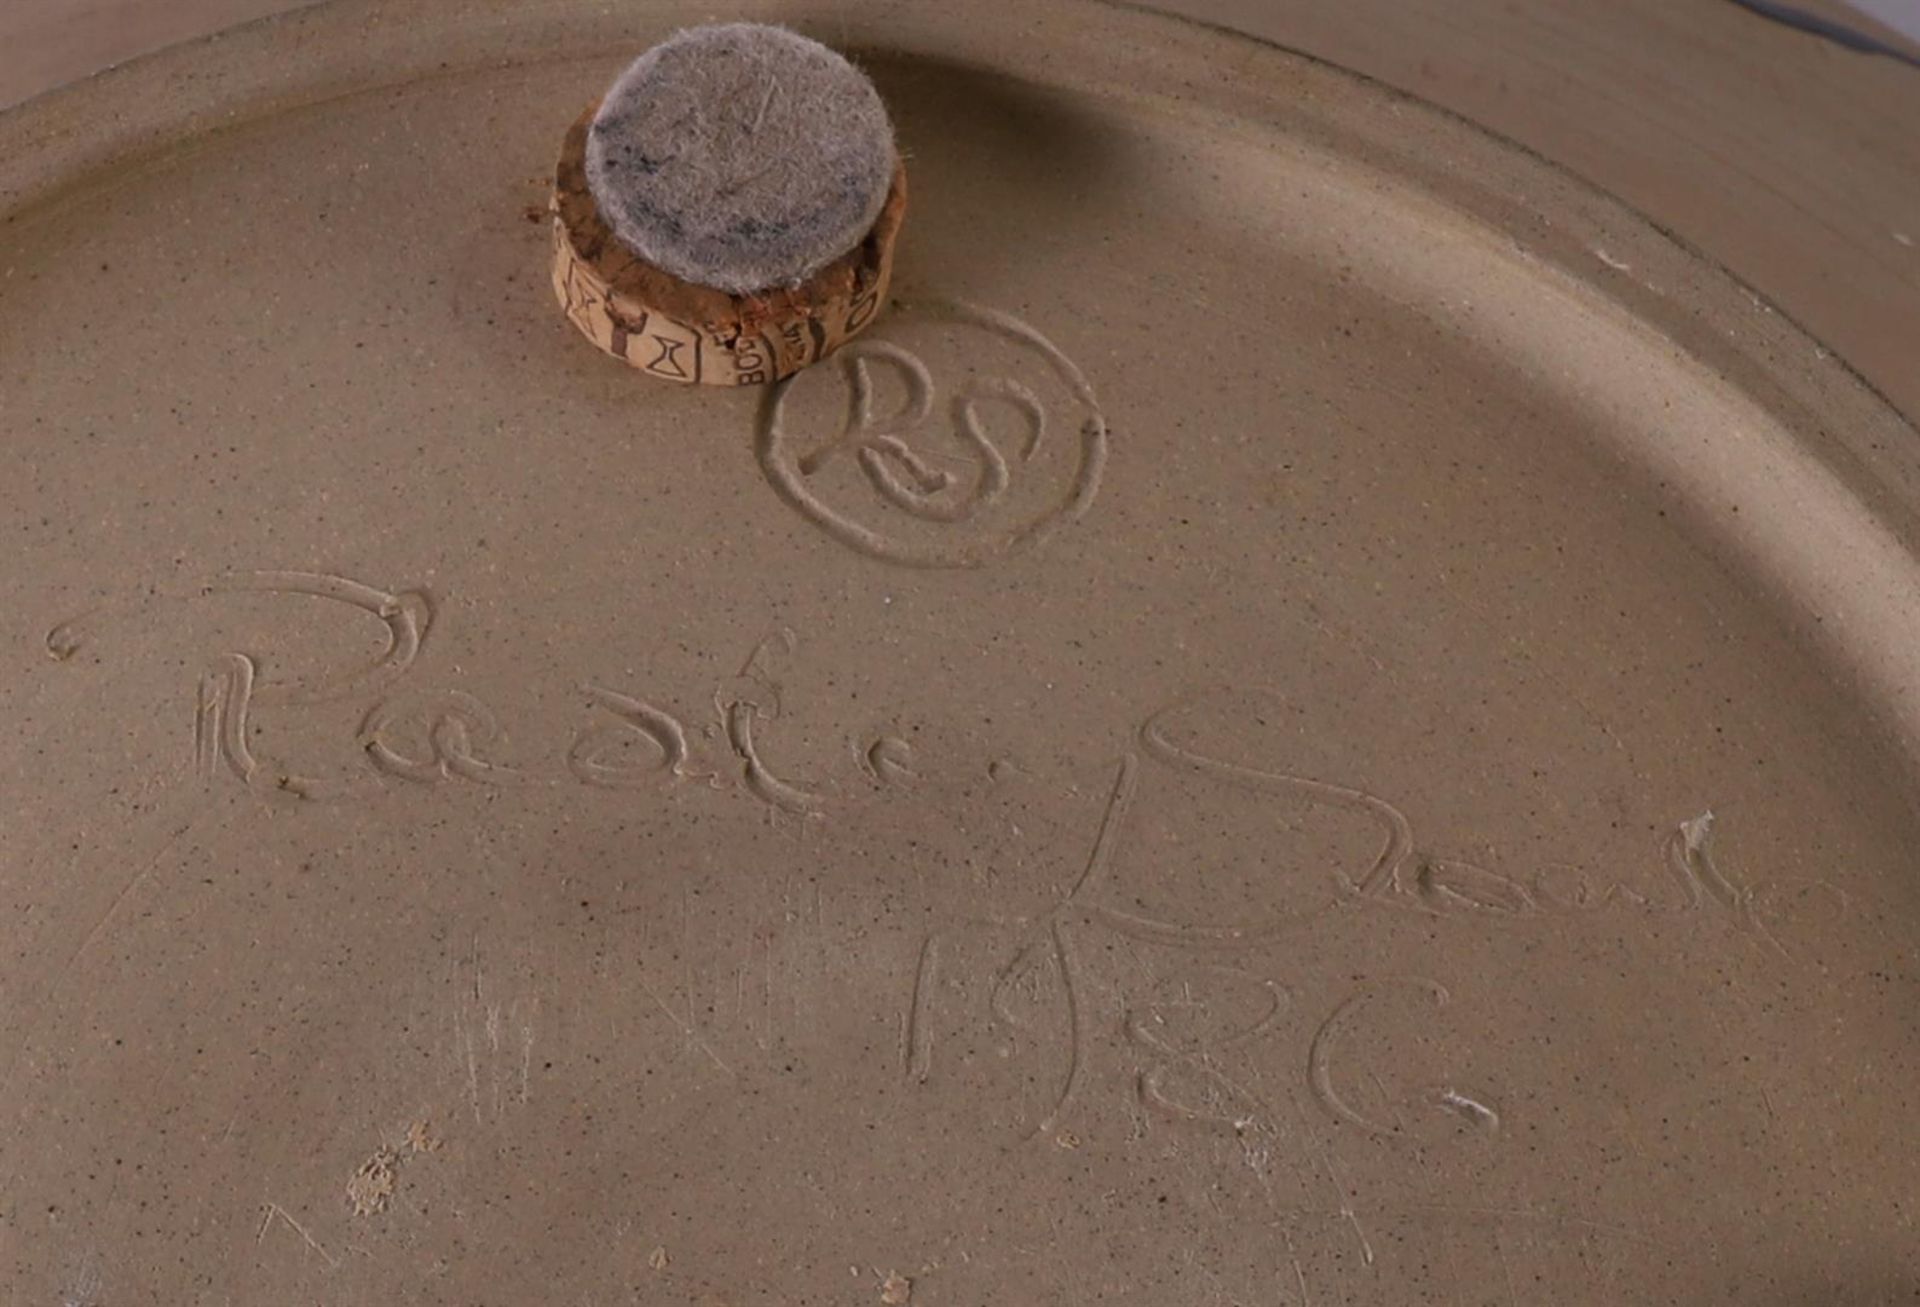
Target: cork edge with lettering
<point>677,331</point>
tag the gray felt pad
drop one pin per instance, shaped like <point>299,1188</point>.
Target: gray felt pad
<point>740,156</point>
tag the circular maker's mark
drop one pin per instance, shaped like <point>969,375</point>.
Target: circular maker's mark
<point>953,436</point>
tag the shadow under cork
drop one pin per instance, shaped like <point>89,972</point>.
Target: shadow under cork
<point>1000,171</point>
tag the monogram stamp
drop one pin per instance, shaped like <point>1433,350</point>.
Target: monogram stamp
<point>953,436</point>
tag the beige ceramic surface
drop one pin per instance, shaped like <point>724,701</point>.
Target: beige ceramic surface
<point>1309,742</point>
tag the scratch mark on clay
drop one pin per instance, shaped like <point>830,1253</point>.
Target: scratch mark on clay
<point>1571,693</point>
<point>686,1028</point>
<point>1124,782</point>
<point>920,1022</point>
<point>128,890</point>
<point>1347,1211</point>
<point>1506,1268</point>
<point>1293,1255</point>
<point>1015,973</point>
<point>206,729</point>
<point>1077,1031</point>
<point>463,1039</point>
<point>1522,1214</point>
<point>1399,1117</point>
<point>271,1210</point>
<point>526,1055</point>
<point>84,1287</point>
<point>493,1046</point>
<point>762,664</point>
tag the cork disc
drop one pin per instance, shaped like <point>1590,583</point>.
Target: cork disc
<point>741,156</point>
<point>1316,713</point>
<point>676,330</point>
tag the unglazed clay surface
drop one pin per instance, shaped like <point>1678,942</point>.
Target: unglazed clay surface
<point>1316,714</point>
